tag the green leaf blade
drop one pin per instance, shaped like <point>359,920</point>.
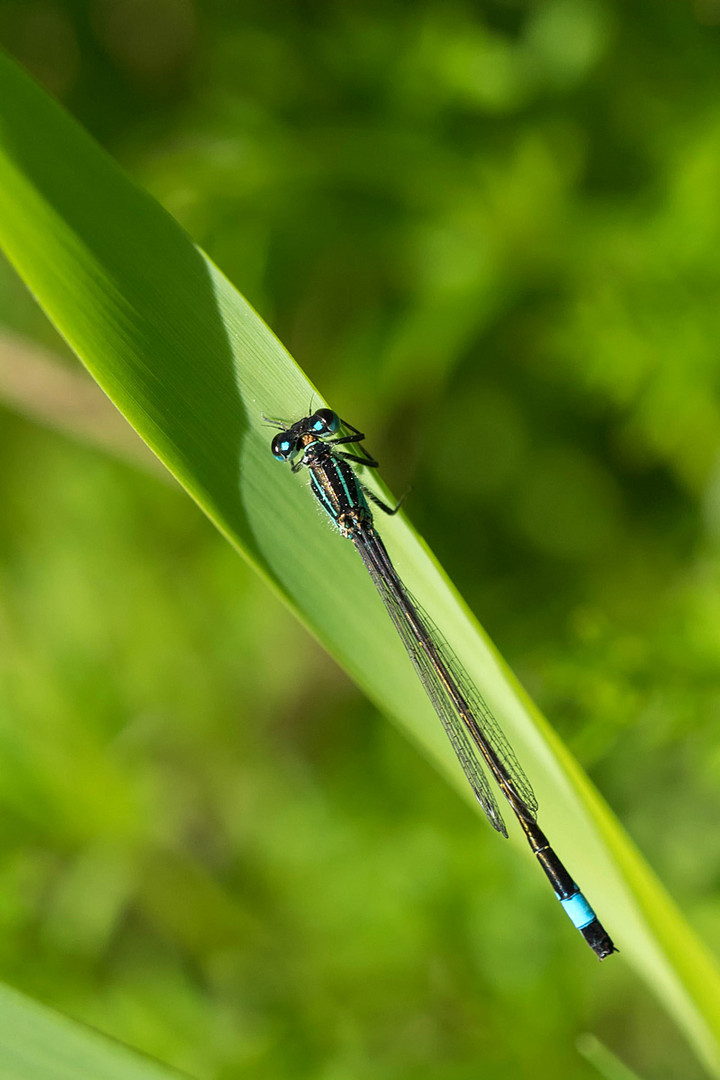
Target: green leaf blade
<point>37,1043</point>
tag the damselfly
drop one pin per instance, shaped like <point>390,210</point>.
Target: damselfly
<point>316,443</point>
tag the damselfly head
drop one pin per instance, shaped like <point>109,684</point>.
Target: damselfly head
<point>318,424</point>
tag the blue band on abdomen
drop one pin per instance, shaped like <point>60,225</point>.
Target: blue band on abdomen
<point>578,910</point>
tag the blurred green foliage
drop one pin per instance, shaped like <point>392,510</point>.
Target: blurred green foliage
<point>491,235</point>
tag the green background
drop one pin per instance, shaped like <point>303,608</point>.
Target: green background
<point>490,235</point>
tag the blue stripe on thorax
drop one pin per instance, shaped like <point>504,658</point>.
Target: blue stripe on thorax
<point>321,494</point>
<point>337,487</point>
<point>348,479</point>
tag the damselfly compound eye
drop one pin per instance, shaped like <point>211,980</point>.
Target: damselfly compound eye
<point>324,422</point>
<point>283,446</point>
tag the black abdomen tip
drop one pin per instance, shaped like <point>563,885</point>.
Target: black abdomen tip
<point>598,939</point>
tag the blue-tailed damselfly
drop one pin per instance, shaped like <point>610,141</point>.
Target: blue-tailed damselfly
<point>315,443</point>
